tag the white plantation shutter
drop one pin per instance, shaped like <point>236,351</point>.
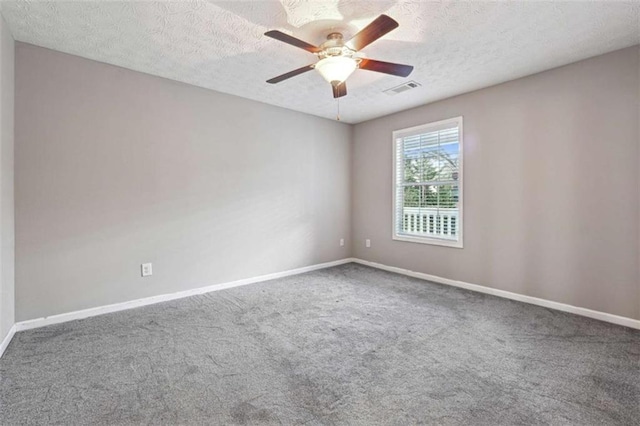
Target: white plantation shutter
<point>428,183</point>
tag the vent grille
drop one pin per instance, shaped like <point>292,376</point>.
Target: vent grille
<point>402,88</point>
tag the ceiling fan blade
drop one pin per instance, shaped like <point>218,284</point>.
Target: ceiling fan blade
<point>339,90</point>
<point>290,74</point>
<point>286,38</point>
<point>379,27</point>
<point>386,67</point>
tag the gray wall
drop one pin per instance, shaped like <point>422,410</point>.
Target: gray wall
<point>115,168</point>
<point>550,186</point>
<point>6,181</point>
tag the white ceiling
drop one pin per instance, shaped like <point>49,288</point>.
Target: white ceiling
<point>455,47</point>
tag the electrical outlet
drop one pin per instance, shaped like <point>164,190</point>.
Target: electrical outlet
<point>367,243</point>
<point>146,269</point>
<point>341,242</point>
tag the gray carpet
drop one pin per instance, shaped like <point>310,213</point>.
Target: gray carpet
<point>346,345</point>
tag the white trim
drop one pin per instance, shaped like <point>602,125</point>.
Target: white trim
<point>459,243</point>
<point>428,240</point>
<point>433,126</point>
<point>91,312</point>
<point>7,340</point>
<point>602,316</point>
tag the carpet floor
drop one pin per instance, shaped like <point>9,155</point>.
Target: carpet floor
<point>345,345</point>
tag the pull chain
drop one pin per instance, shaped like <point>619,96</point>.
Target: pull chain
<point>338,115</point>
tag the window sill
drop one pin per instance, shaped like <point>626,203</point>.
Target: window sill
<point>430,241</point>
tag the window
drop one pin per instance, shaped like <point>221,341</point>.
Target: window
<point>428,183</point>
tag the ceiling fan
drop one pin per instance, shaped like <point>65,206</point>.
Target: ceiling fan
<point>339,59</point>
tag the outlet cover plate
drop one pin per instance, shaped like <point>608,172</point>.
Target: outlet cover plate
<point>146,269</point>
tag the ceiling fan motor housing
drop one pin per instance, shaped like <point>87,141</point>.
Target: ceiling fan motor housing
<point>334,46</point>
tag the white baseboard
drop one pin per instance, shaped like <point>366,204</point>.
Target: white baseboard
<point>602,316</point>
<point>100,310</point>
<point>7,340</point>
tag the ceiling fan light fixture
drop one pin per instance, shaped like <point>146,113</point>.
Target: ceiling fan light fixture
<point>338,60</point>
<point>336,68</point>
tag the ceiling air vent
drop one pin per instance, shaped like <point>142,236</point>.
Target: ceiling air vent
<point>402,88</point>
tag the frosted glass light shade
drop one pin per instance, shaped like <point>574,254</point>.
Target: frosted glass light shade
<point>336,68</point>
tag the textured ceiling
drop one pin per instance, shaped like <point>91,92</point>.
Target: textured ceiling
<point>455,47</point>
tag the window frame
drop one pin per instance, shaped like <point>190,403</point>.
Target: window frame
<point>425,128</point>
